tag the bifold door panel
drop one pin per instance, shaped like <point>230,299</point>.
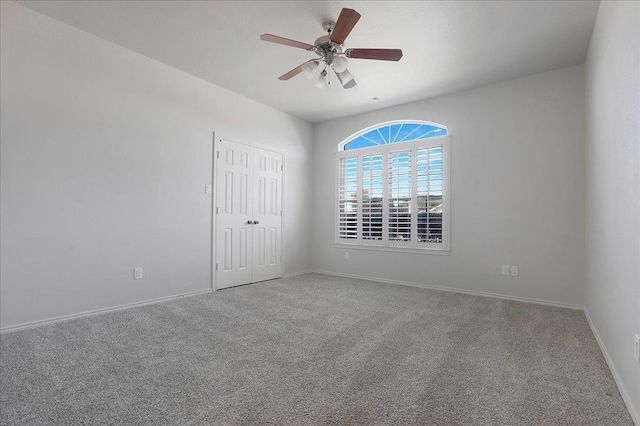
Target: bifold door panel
<point>249,214</point>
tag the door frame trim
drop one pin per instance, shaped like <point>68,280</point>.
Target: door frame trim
<point>214,194</point>
<point>214,203</point>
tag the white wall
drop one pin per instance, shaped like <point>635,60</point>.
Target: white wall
<point>517,191</point>
<point>105,154</point>
<point>613,189</point>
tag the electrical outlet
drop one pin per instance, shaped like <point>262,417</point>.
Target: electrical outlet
<point>137,273</point>
<point>505,269</point>
<point>346,255</point>
<point>636,348</point>
<point>207,188</point>
<point>514,271</point>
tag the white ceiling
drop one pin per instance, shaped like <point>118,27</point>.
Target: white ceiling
<point>448,45</point>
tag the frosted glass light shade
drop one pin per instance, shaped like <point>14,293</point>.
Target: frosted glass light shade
<point>322,80</point>
<point>340,64</point>
<point>309,69</point>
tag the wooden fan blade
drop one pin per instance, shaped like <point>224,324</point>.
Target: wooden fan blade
<point>297,70</point>
<point>287,42</point>
<point>346,21</point>
<point>380,54</point>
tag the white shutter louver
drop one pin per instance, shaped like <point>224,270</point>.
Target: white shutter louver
<point>429,181</point>
<point>372,191</point>
<point>400,196</point>
<point>347,199</point>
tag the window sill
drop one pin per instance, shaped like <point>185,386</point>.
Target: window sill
<point>429,251</point>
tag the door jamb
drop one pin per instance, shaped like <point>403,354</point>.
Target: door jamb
<point>214,203</point>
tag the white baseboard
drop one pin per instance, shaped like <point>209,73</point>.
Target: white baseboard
<point>38,323</point>
<point>623,390</point>
<point>455,290</point>
<point>295,274</point>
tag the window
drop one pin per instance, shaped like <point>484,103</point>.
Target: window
<point>393,188</point>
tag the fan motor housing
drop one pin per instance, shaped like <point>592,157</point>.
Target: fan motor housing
<point>326,48</point>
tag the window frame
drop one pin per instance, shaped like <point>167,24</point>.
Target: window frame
<point>385,244</point>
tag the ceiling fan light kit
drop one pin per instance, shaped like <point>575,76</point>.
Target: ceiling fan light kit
<point>309,69</point>
<point>332,55</point>
<point>323,80</point>
<point>339,64</point>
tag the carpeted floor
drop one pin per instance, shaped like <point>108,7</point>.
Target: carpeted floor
<point>312,349</point>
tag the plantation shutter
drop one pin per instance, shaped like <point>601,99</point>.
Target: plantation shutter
<point>399,200</point>
<point>372,193</point>
<point>348,199</point>
<point>429,181</point>
<point>394,194</point>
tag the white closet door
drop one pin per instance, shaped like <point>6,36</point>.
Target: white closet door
<point>234,219</point>
<point>249,214</point>
<point>267,216</point>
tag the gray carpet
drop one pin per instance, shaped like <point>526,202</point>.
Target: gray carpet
<point>313,349</point>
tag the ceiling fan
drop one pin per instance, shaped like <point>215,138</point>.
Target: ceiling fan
<point>331,52</point>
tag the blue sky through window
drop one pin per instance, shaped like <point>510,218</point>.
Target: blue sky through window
<point>395,133</point>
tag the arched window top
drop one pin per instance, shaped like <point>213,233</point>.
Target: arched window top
<point>393,132</point>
